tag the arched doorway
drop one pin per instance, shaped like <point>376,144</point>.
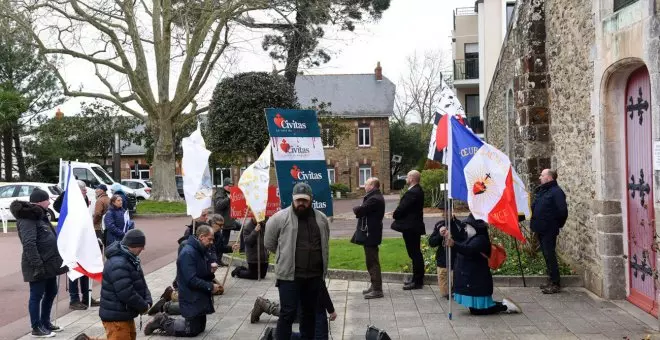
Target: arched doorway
<point>639,190</point>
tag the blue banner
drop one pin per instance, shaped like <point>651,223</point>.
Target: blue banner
<point>298,155</point>
<point>292,123</point>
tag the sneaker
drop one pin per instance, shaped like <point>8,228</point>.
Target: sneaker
<point>54,328</point>
<point>38,332</point>
<point>154,324</point>
<point>374,294</point>
<point>77,305</point>
<point>82,336</point>
<point>167,294</point>
<point>95,302</point>
<point>368,290</point>
<point>157,307</point>
<point>511,307</point>
<point>552,289</point>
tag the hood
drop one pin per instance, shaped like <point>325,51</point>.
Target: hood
<point>26,210</point>
<point>480,227</point>
<point>113,250</point>
<point>116,249</point>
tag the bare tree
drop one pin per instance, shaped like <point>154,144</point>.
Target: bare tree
<point>131,42</point>
<point>418,92</point>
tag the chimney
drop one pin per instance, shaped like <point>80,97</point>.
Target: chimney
<point>59,114</point>
<point>379,72</point>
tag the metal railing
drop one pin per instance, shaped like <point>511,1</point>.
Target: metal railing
<point>465,69</point>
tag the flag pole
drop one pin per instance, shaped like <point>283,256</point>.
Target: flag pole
<point>522,273</point>
<point>231,257</point>
<point>57,298</point>
<point>258,255</point>
<point>449,272</point>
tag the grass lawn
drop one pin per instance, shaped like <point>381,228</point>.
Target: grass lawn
<point>394,258</point>
<point>156,207</point>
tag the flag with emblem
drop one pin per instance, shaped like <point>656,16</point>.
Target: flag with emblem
<point>482,175</point>
<point>254,184</point>
<point>449,106</point>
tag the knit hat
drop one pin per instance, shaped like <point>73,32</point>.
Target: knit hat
<point>38,195</point>
<point>302,191</point>
<point>134,238</point>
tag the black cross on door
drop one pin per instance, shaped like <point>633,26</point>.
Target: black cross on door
<point>641,106</point>
<point>641,186</point>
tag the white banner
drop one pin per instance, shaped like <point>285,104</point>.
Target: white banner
<point>254,184</point>
<point>197,184</point>
<point>297,148</point>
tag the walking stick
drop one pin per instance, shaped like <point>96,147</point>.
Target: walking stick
<point>522,273</point>
<point>259,255</point>
<point>231,257</point>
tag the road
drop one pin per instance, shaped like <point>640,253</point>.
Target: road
<point>160,250</point>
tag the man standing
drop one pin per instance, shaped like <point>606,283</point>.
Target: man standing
<point>370,214</point>
<point>409,220</point>
<point>100,208</point>
<point>299,234</point>
<point>549,214</point>
<point>40,261</point>
<point>124,291</point>
<point>223,207</point>
<point>196,288</point>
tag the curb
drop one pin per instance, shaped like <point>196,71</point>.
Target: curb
<point>154,216</point>
<point>432,279</point>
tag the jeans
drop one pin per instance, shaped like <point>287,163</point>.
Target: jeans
<point>251,272</point>
<point>548,243</point>
<point>120,330</point>
<point>413,247</point>
<point>75,293</point>
<point>321,330</point>
<point>42,295</point>
<point>186,328</point>
<point>299,291</point>
<point>373,267</point>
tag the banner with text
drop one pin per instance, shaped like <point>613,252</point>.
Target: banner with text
<point>299,156</point>
<point>238,204</point>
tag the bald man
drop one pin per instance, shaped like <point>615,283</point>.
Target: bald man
<point>409,220</point>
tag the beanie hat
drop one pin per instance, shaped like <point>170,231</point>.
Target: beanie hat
<point>38,195</point>
<point>302,191</point>
<point>134,238</point>
<point>116,187</point>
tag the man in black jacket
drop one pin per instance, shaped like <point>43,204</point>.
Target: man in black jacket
<point>549,214</point>
<point>409,220</point>
<point>222,206</point>
<point>41,262</point>
<point>370,214</point>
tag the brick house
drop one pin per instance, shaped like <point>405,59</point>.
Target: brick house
<point>365,102</point>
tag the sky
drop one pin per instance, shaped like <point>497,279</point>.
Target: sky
<point>408,26</point>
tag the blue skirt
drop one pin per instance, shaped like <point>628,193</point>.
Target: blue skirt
<point>476,302</point>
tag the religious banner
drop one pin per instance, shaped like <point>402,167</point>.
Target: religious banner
<point>299,156</point>
<point>239,204</point>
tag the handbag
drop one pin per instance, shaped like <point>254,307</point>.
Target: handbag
<point>374,333</point>
<point>361,233</point>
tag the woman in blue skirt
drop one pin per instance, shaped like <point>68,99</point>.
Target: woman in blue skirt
<point>473,283</point>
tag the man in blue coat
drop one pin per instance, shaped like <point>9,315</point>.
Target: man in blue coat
<point>196,288</point>
<point>549,214</point>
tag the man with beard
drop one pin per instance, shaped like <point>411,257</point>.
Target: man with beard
<point>299,234</point>
<point>196,288</point>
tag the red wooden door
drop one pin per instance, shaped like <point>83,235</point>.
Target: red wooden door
<point>639,178</point>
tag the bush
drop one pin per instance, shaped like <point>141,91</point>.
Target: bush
<point>430,182</point>
<point>339,187</point>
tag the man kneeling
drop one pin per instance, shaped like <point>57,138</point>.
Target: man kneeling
<point>196,288</point>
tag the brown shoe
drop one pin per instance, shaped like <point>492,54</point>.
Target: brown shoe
<point>77,306</point>
<point>167,294</point>
<point>551,289</point>
<point>258,309</point>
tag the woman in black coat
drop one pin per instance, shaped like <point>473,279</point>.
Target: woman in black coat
<point>255,252</point>
<point>473,282</point>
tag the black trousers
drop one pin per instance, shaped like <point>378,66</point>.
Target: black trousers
<point>497,308</point>
<point>185,328</point>
<point>373,267</point>
<point>413,247</point>
<point>251,272</point>
<point>548,243</point>
<point>303,292</point>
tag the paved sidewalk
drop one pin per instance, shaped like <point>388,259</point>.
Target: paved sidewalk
<point>421,314</point>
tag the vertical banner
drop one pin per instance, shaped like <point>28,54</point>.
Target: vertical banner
<point>295,139</point>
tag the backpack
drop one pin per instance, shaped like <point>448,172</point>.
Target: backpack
<point>497,256</point>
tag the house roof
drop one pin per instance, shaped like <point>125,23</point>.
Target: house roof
<point>351,95</point>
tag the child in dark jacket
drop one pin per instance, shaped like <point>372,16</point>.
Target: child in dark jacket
<point>436,240</point>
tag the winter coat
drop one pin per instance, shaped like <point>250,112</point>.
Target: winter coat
<point>436,240</point>
<point>250,238</point>
<point>40,259</point>
<point>281,235</point>
<point>116,225</point>
<point>472,275</point>
<point>371,213</point>
<point>194,280</point>
<point>124,291</point>
<point>100,208</point>
<point>57,205</point>
<point>409,215</point>
<point>213,252</point>
<point>549,210</point>
<point>222,206</point>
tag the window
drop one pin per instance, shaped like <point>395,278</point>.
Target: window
<point>331,175</point>
<point>144,174</point>
<point>472,104</point>
<point>509,12</point>
<point>364,136</point>
<point>365,173</point>
<point>619,4</point>
<point>472,61</point>
<point>327,138</point>
<point>25,190</point>
<point>7,191</point>
<point>102,174</point>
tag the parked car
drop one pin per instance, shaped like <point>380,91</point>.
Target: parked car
<point>10,192</point>
<point>141,187</point>
<point>179,185</point>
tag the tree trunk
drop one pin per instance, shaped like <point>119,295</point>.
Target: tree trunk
<point>20,160</point>
<point>6,145</point>
<point>164,162</point>
<point>295,51</point>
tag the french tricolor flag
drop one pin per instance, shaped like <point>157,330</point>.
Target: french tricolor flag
<point>482,175</point>
<point>76,239</point>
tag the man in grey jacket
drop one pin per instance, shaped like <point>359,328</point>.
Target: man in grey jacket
<point>299,234</point>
